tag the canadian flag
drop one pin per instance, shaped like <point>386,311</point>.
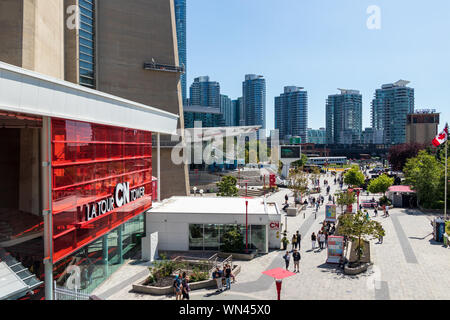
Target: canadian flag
<point>441,138</point>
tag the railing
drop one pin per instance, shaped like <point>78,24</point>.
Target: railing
<point>60,293</point>
<point>163,67</point>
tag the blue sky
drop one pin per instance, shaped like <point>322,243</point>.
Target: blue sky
<point>323,45</point>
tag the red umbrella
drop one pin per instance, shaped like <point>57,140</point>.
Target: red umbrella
<point>279,274</point>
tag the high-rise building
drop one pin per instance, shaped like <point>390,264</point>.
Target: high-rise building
<point>372,136</point>
<point>317,136</point>
<point>390,107</point>
<point>209,117</point>
<point>344,117</point>
<point>205,104</point>
<point>180,16</point>
<point>254,100</point>
<point>239,112</point>
<point>205,93</point>
<point>422,126</point>
<point>291,113</point>
<point>226,108</point>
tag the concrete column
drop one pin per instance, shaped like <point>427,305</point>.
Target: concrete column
<point>47,205</point>
<point>105,249</point>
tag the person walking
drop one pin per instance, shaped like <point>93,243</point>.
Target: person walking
<point>299,239</point>
<point>313,240</point>
<point>217,275</point>
<point>286,198</point>
<point>387,211</point>
<point>287,258</point>
<point>294,242</point>
<point>321,240</point>
<point>296,256</point>
<point>375,211</point>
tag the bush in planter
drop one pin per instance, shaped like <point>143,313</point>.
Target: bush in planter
<point>358,229</point>
<point>198,275</point>
<point>233,241</point>
<point>164,268</point>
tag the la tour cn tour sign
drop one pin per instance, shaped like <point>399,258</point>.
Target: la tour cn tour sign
<point>122,196</point>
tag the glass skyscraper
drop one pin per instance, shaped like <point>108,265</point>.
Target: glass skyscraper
<point>180,16</point>
<point>392,103</point>
<point>254,100</point>
<point>344,117</point>
<point>226,108</point>
<point>204,104</point>
<point>239,113</point>
<point>291,113</point>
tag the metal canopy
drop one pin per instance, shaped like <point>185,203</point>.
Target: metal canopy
<point>15,279</point>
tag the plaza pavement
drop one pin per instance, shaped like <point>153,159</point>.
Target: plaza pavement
<point>408,265</point>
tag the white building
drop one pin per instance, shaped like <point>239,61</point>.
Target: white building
<point>199,223</point>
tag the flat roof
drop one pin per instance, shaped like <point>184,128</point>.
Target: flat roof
<point>214,205</point>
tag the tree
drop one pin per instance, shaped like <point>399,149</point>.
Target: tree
<point>298,183</point>
<point>380,184</point>
<point>399,154</point>
<point>360,229</point>
<point>227,187</point>
<point>345,198</point>
<point>354,177</point>
<point>424,174</point>
<point>302,162</point>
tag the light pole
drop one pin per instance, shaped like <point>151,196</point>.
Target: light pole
<point>201,192</point>
<point>195,191</point>
<point>246,226</point>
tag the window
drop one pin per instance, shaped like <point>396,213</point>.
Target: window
<point>87,41</point>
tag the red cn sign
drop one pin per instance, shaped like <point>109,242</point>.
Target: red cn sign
<point>274,225</point>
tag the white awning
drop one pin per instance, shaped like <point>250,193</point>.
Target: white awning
<point>29,92</point>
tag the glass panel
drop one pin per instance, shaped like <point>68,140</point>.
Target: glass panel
<point>87,164</point>
<point>211,239</point>
<point>258,238</point>
<point>195,237</point>
<point>86,42</point>
<point>86,50</point>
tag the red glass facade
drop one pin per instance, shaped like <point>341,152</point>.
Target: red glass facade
<point>88,162</point>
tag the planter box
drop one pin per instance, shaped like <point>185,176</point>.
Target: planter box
<point>140,287</point>
<point>292,212</point>
<point>239,256</point>
<point>357,270</point>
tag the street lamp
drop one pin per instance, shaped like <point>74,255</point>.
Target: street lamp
<point>195,191</point>
<point>201,192</point>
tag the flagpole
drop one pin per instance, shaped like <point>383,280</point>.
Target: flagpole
<point>446,179</point>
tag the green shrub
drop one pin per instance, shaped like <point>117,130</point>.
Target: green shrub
<point>198,275</point>
<point>233,241</point>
